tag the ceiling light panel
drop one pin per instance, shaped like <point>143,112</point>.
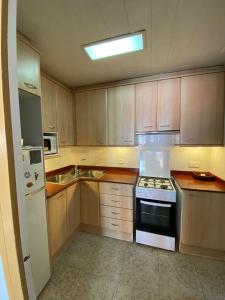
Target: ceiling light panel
<point>115,46</point>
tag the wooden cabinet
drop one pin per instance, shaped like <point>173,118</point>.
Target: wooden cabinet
<point>168,109</point>
<point>48,100</point>
<point>63,212</point>
<point>121,115</point>
<point>57,222</point>
<point>202,109</point>
<point>28,68</point>
<point>202,222</point>
<point>90,203</point>
<point>116,210</point>
<point>91,117</point>
<point>58,111</point>
<point>73,208</point>
<point>65,116</point>
<point>146,106</point>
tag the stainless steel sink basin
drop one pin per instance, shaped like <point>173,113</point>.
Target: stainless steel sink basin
<point>68,177</point>
<point>91,173</point>
<point>61,178</point>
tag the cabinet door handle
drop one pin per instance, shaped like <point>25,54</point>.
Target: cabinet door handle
<point>60,195</point>
<point>128,141</point>
<point>115,189</point>
<point>114,224</point>
<point>30,86</point>
<point>115,213</point>
<point>51,127</point>
<point>115,201</point>
<point>165,125</point>
<point>148,126</point>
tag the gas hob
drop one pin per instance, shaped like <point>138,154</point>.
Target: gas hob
<point>155,188</point>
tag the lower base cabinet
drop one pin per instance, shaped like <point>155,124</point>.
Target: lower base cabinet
<point>63,211</point>
<point>203,223</point>
<point>101,208</point>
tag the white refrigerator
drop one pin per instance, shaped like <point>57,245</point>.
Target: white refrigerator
<point>37,254</point>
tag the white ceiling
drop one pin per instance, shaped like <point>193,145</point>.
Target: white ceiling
<point>180,34</point>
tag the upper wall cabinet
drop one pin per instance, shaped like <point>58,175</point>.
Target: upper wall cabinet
<point>91,114</point>
<point>146,106</point>
<point>202,109</point>
<point>158,105</point>
<point>28,68</point>
<point>49,94</point>
<point>121,115</point>
<point>168,110</point>
<point>65,116</point>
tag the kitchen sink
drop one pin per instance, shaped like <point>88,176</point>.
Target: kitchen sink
<point>61,178</point>
<point>91,173</point>
<point>66,178</point>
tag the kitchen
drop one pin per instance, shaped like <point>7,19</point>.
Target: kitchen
<point>123,157</point>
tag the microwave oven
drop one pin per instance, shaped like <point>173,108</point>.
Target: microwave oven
<point>50,143</point>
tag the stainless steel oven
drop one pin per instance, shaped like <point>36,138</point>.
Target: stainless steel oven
<point>156,216</point>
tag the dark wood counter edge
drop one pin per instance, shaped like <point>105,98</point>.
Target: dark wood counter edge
<point>190,173</point>
<point>104,168</point>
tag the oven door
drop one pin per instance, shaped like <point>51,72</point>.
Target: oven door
<point>156,216</point>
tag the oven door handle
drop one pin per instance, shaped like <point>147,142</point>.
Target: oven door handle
<point>155,204</point>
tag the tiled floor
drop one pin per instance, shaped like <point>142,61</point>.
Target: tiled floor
<point>95,267</point>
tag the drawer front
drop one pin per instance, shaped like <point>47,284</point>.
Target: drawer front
<point>116,201</point>
<point>117,225</point>
<point>116,189</point>
<point>116,213</point>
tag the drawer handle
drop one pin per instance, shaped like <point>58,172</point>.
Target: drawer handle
<point>128,141</point>
<point>115,213</point>
<point>114,224</point>
<point>51,127</point>
<point>149,126</point>
<point>115,189</point>
<point>116,201</point>
<point>30,86</point>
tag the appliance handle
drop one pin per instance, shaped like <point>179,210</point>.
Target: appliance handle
<point>155,204</point>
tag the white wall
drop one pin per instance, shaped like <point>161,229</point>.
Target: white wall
<point>217,164</point>
<point>127,157</point>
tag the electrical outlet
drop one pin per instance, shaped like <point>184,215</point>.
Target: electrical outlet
<point>193,164</point>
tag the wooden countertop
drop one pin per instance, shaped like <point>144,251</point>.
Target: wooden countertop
<point>111,175</point>
<point>186,181</point>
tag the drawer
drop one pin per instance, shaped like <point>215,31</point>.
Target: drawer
<point>116,201</point>
<point>116,189</point>
<point>117,225</point>
<point>116,213</point>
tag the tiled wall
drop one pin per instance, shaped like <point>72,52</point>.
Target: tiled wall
<point>129,157</point>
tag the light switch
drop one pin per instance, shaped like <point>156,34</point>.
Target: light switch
<point>193,164</point>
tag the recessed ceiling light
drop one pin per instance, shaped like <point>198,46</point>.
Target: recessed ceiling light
<point>115,46</point>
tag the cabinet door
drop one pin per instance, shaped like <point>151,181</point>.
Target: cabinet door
<point>91,117</point>
<point>90,203</point>
<point>168,111</point>
<point>202,109</point>
<point>65,116</point>
<point>57,222</point>
<point>73,208</point>
<point>203,223</point>
<point>28,68</point>
<point>146,106</point>
<point>121,115</point>
<point>48,99</point>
